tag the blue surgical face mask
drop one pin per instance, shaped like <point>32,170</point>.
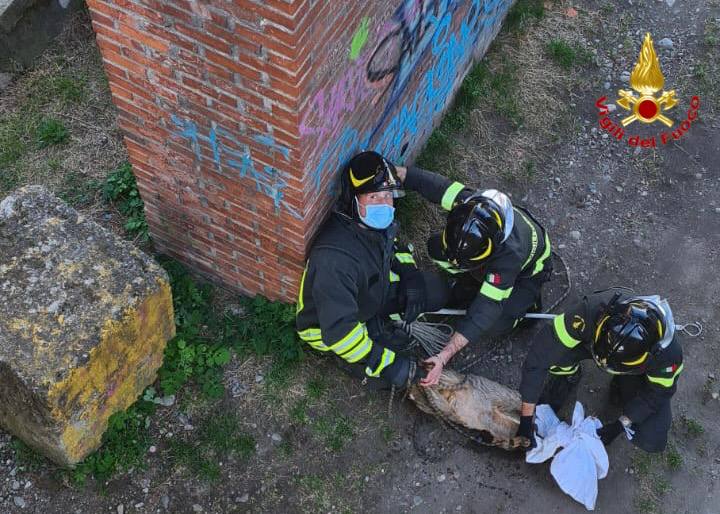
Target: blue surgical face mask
<point>378,216</point>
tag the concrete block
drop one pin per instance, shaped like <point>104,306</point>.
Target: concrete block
<point>84,320</point>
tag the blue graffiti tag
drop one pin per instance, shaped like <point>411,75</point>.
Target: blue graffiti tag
<point>267,181</point>
<point>452,51</point>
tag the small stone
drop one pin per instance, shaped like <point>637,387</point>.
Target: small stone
<point>259,378</point>
<point>606,85</point>
<point>152,449</point>
<point>244,498</point>
<point>17,500</point>
<point>698,175</point>
<point>417,500</point>
<point>715,395</point>
<point>711,376</point>
<point>441,478</point>
<point>619,189</point>
<point>120,509</point>
<point>165,500</point>
<point>15,485</point>
<point>197,508</point>
<point>636,242</point>
<point>145,490</point>
<point>575,234</point>
<point>611,107</point>
<point>670,2</point>
<point>665,42</point>
<point>605,135</point>
<point>139,505</point>
<point>276,437</point>
<point>625,77</point>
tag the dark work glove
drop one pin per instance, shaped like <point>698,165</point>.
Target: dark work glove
<point>608,433</point>
<point>527,430</point>
<point>398,372</point>
<point>415,295</point>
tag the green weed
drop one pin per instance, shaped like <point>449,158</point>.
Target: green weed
<point>51,132</point>
<point>120,188</point>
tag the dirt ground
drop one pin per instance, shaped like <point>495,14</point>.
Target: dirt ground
<point>644,218</point>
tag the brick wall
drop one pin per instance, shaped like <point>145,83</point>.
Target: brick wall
<point>238,114</point>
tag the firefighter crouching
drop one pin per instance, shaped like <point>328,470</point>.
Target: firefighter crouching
<point>357,276</point>
<point>497,254</point>
<point>631,337</point>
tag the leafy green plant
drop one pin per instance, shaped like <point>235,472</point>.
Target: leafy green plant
<point>120,188</point>
<point>51,132</point>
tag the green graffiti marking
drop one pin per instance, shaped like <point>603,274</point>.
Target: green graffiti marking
<point>360,38</point>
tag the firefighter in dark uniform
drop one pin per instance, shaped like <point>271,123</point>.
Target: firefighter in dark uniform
<point>633,338</point>
<point>498,256</point>
<point>357,276</point>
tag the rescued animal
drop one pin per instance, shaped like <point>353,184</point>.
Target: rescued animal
<point>489,410</point>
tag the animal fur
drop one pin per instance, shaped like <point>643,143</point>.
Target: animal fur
<point>475,403</point>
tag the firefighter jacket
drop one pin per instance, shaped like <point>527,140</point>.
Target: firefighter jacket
<point>560,346</point>
<point>523,253</point>
<point>346,282</point>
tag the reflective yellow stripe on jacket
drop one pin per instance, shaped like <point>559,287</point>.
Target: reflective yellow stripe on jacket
<point>562,333</point>
<point>355,345</point>
<point>666,381</point>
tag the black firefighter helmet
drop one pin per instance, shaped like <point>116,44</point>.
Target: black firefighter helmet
<point>626,335</point>
<point>474,230</point>
<point>367,172</point>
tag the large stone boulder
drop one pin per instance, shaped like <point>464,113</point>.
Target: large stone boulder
<point>84,319</point>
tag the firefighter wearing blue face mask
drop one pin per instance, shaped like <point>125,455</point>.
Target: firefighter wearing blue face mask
<point>357,276</point>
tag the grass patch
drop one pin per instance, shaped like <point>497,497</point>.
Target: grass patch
<point>50,132</point>
<point>217,438</point>
<point>646,505</point>
<point>693,427</point>
<point>26,456</point>
<point>76,189</point>
<point>336,429</point>
<point>14,139</point>
<point>121,189</point>
<point>522,13</point>
<point>567,55</point>
<point>673,459</point>
<point>124,445</point>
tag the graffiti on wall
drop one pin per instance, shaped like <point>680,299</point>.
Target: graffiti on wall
<point>268,180</point>
<point>432,39</point>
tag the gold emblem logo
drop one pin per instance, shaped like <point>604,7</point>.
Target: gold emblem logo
<point>358,182</point>
<point>647,79</point>
<point>578,323</point>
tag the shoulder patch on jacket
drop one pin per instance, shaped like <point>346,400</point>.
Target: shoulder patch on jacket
<point>494,278</point>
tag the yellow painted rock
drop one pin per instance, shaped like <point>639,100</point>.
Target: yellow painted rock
<point>84,319</point>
